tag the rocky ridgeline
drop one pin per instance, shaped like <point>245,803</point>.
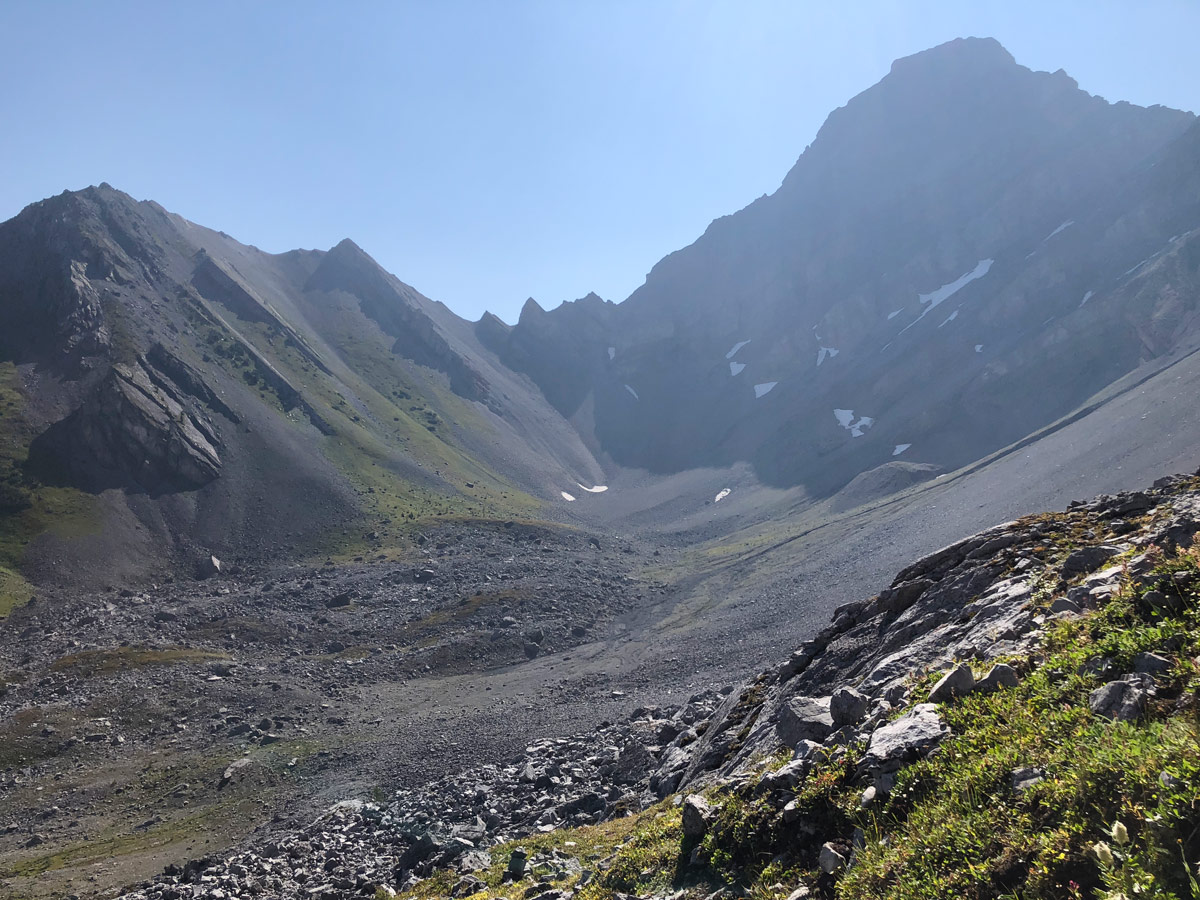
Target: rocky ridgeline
<point>854,685</point>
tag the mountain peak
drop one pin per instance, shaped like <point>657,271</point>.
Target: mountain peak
<point>973,52</point>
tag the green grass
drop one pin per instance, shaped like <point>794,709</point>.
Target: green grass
<point>956,828</point>
<point>108,662</point>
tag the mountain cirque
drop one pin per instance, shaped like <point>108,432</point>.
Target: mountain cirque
<point>277,530</point>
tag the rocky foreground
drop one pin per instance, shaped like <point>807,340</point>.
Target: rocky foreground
<point>1072,627</point>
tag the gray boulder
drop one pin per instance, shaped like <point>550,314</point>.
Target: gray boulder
<point>958,682</point>
<point>1000,676</point>
<point>1151,663</point>
<point>697,815</point>
<point>1025,777</point>
<point>830,859</point>
<point>804,719</point>
<point>911,736</point>
<point>847,707</point>
<point>1087,559</point>
<point>1123,700</point>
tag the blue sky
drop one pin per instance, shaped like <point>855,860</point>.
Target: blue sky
<point>490,151</point>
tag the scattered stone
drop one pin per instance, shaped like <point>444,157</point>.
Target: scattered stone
<point>958,682</point>
<point>830,860</point>
<point>804,718</point>
<point>1151,663</point>
<point>911,736</point>
<point>1123,700</point>
<point>847,707</point>
<point>1087,559</point>
<point>1025,777</point>
<point>516,864</point>
<point>209,567</point>
<point>1064,605</point>
<point>697,814</point>
<point>999,676</point>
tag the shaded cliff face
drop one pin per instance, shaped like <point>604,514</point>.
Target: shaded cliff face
<point>966,252</point>
<point>188,394</point>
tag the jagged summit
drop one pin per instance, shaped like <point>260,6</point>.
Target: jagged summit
<point>955,56</point>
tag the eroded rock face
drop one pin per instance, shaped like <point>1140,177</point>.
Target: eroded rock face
<point>133,431</point>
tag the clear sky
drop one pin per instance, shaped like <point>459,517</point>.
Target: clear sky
<point>490,151</point>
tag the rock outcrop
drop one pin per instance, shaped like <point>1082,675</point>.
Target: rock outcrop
<point>137,429</point>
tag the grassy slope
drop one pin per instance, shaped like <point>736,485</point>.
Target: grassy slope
<point>27,508</point>
<point>954,827</point>
<point>385,419</point>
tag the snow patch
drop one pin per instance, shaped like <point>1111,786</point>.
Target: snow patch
<point>632,391</point>
<point>951,318</point>
<point>979,348</point>
<point>1064,225</point>
<point>612,353</point>
<point>736,347</point>
<point>823,352</point>
<point>567,497</point>
<point>900,448</point>
<point>1086,297</point>
<point>598,489</point>
<point>846,419</point>
<point>725,492</point>
<point>735,367</point>
<point>894,313</point>
<point>761,390</point>
<point>934,299</point>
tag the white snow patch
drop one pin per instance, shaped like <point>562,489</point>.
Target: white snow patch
<point>823,352</point>
<point>1064,225</point>
<point>736,347</point>
<point>900,448</point>
<point>735,367</point>
<point>1139,265</point>
<point>598,489</point>
<point>856,430</point>
<point>725,492</point>
<point>567,497</point>
<point>761,390</point>
<point>935,298</point>
<point>979,348</point>
<point>632,391</point>
<point>612,353</point>
<point>846,419</point>
<point>951,318</point>
<point>1086,297</point>
<point>894,313</point>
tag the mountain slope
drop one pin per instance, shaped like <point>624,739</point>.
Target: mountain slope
<point>959,258</point>
<point>180,394</point>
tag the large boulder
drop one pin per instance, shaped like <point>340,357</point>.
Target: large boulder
<point>804,719</point>
<point>1122,700</point>
<point>913,735</point>
<point>847,707</point>
<point>958,682</point>
<point>697,814</point>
